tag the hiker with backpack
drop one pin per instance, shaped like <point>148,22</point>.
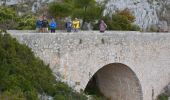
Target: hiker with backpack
<point>39,24</point>
<point>102,26</point>
<point>53,26</point>
<point>69,26</point>
<point>45,24</point>
<point>76,25</point>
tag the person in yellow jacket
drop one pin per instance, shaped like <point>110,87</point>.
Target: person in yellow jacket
<point>76,25</point>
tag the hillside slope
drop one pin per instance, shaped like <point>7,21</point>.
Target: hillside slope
<point>25,77</point>
<point>148,13</point>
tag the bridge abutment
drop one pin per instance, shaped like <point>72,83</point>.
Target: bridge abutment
<point>76,57</point>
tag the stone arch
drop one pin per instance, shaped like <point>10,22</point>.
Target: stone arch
<point>116,81</point>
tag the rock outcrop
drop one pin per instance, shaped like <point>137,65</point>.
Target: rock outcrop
<point>149,14</point>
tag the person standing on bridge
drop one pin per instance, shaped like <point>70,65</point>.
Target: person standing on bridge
<point>53,26</point>
<point>102,26</point>
<point>76,25</point>
<point>39,24</point>
<point>69,25</point>
<point>45,24</point>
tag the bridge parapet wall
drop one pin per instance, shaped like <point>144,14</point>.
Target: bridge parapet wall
<point>76,57</point>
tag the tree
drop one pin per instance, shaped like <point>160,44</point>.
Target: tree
<point>87,10</point>
<point>26,22</point>
<point>122,20</point>
<point>126,12</point>
<point>8,18</point>
<point>60,9</point>
<point>23,76</point>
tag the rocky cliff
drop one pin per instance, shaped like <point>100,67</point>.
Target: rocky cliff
<point>149,13</point>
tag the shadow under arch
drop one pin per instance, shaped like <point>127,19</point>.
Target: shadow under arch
<point>115,81</point>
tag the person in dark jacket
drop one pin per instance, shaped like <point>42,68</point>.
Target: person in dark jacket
<point>69,25</point>
<point>39,24</point>
<point>45,24</point>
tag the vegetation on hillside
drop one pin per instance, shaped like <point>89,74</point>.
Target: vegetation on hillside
<point>163,97</point>
<point>26,22</point>
<point>93,90</point>
<point>165,94</point>
<point>9,19</point>
<point>87,10</point>
<point>91,11</point>
<point>121,20</point>
<point>25,77</point>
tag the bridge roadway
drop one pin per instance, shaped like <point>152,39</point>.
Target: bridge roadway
<point>125,65</point>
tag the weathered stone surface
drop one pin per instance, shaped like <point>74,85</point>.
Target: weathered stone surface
<point>147,12</point>
<point>119,82</point>
<point>76,57</point>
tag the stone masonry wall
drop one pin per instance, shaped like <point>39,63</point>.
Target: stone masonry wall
<point>76,57</point>
<point>118,82</point>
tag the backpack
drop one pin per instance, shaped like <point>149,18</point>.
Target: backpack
<point>53,25</point>
<point>39,24</point>
<point>45,23</point>
<point>68,25</point>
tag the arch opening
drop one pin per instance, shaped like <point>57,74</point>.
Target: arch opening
<point>115,82</point>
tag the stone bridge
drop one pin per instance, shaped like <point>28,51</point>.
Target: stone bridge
<point>124,65</point>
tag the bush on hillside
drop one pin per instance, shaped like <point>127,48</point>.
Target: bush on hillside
<point>87,10</point>
<point>162,97</point>
<point>27,22</point>
<point>60,9</point>
<point>122,20</point>
<point>24,76</point>
<point>10,20</point>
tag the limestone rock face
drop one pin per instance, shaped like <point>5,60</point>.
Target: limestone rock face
<point>147,12</point>
<point>27,5</point>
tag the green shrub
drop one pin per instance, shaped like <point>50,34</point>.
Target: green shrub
<point>154,28</point>
<point>26,75</point>
<point>93,90</point>
<point>27,22</point>
<point>162,97</point>
<point>59,97</point>
<point>122,20</point>
<point>12,95</point>
<point>135,28</point>
<point>60,9</point>
<point>8,18</point>
<point>87,10</point>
